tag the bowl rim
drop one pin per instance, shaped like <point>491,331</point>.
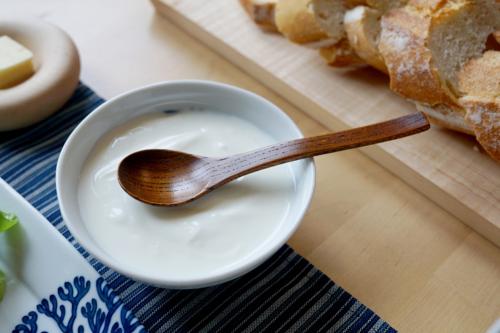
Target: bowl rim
<point>198,282</point>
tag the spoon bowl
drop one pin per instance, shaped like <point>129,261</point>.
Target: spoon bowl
<point>158,175</point>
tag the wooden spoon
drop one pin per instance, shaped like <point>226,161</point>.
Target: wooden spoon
<point>171,178</point>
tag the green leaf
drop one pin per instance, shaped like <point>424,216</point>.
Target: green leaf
<point>7,221</point>
<point>3,283</point>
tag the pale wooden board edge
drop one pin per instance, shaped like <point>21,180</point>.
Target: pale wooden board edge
<point>303,102</point>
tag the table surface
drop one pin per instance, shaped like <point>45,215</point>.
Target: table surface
<point>414,264</point>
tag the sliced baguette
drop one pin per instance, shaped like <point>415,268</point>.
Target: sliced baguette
<point>329,15</point>
<point>433,53</point>
<point>295,20</point>
<point>424,47</point>
<point>261,12</point>
<point>479,83</point>
<point>484,116</point>
<point>432,50</point>
<point>362,25</point>
<point>403,41</point>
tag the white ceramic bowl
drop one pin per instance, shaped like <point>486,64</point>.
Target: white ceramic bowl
<point>176,95</point>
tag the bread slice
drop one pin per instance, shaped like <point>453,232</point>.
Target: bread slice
<point>478,112</point>
<point>433,53</point>
<point>341,55</point>
<point>479,82</point>
<point>329,16</point>
<point>484,116</point>
<point>296,21</point>
<point>261,12</point>
<point>362,25</point>
<point>403,41</point>
<point>425,44</point>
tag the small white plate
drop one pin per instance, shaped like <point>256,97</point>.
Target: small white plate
<point>50,285</point>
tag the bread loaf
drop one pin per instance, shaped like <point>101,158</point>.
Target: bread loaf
<point>442,54</point>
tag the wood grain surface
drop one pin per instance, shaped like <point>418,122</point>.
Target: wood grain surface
<point>445,166</point>
<point>395,250</point>
<point>165,177</point>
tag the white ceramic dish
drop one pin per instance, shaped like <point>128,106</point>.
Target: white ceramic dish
<point>41,265</point>
<point>57,70</point>
<point>178,95</point>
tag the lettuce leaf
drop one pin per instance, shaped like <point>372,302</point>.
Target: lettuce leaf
<point>7,221</point>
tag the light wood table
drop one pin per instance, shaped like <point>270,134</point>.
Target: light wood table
<point>417,266</point>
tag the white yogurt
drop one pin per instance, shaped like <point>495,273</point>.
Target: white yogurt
<point>209,234</point>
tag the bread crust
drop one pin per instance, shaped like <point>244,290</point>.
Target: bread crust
<point>403,44</point>
<point>483,115</point>
<point>341,55</point>
<point>295,20</point>
<point>362,28</point>
<point>446,116</point>
<point>261,12</point>
<point>329,15</point>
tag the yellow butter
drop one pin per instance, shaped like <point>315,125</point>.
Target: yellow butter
<point>16,63</point>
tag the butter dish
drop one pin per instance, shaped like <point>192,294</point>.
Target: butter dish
<point>56,72</point>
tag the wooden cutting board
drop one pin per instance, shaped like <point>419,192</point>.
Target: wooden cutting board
<point>447,167</point>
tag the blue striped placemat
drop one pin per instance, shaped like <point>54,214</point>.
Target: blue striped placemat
<point>286,293</point>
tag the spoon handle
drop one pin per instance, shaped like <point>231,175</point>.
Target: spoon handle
<point>242,164</point>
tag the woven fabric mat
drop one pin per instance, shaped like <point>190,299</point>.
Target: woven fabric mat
<point>286,293</point>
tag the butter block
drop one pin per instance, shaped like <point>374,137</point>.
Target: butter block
<point>16,63</point>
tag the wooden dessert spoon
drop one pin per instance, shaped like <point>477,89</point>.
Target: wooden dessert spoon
<point>171,178</point>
